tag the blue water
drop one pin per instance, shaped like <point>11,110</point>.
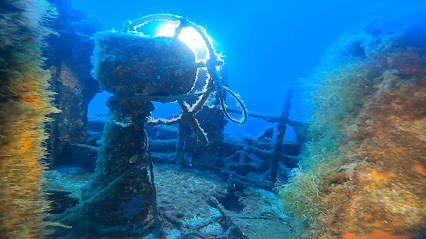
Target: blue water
<point>269,45</point>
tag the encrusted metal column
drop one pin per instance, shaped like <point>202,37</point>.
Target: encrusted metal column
<point>125,208</point>
<point>281,128</point>
<point>121,199</point>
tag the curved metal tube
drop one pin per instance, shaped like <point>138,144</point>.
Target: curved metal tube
<point>211,63</point>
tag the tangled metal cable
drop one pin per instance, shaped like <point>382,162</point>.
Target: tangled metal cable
<point>214,84</point>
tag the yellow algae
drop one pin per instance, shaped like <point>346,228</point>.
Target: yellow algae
<point>23,113</point>
<point>371,115</point>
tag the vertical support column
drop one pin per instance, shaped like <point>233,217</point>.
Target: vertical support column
<point>281,128</point>
<point>183,132</point>
<point>124,205</point>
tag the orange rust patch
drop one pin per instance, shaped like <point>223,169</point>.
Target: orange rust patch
<point>377,224</point>
<point>381,176</point>
<point>419,169</point>
<point>375,235</point>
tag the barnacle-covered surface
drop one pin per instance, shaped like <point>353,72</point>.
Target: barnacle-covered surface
<point>130,63</point>
<point>363,172</point>
<point>24,104</point>
<point>68,59</point>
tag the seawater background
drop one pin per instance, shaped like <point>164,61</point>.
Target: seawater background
<point>269,45</point>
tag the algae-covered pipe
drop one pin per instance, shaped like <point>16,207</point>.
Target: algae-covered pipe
<point>121,201</point>
<point>280,136</point>
<point>124,206</point>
